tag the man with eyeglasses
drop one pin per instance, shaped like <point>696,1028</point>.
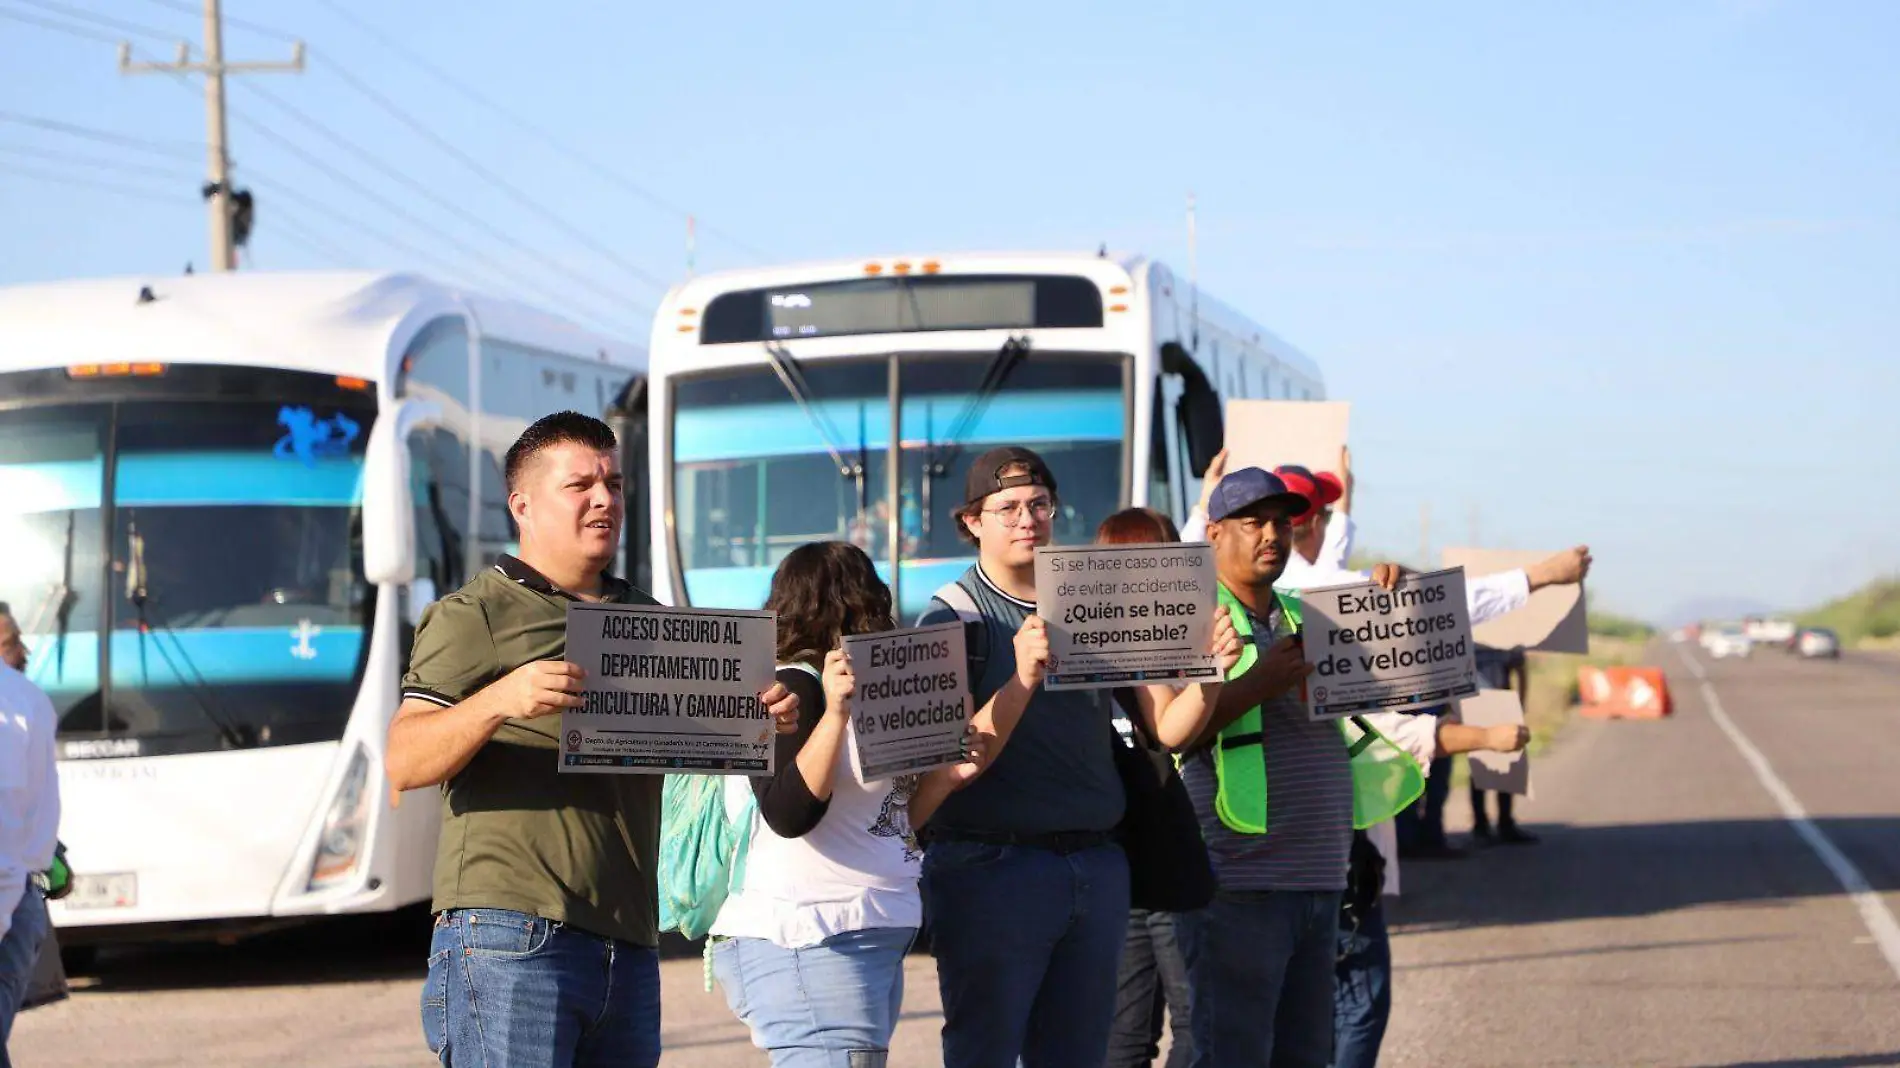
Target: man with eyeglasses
<point>1026,890</point>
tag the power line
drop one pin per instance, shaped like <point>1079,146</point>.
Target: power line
<point>514,192</point>
<point>600,169</point>
<point>71,181</point>
<point>298,235</point>
<point>229,20</point>
<point>91,133</point>
<point>60,27</point>
<point>493,276</point>
<point>134,28</point>
<point>84,160</point>
<point>397,210</point>
<point>471,218</point>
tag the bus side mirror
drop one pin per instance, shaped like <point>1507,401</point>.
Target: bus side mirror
<point>389,510</point>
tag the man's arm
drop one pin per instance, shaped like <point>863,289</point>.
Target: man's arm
<point>1273,674</point>
<point>430,743</point>
<point>1503,738</point>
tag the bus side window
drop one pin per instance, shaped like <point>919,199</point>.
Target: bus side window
<point>1160,473</point>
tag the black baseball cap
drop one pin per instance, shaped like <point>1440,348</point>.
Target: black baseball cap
<point>986,474</point>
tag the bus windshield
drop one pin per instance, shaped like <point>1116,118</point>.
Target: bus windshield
<point>187,571</point>
<point>754,476</point>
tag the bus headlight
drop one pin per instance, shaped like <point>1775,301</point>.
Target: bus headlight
<point>344,828</point>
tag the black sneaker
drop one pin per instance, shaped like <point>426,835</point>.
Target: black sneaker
<point>1510,834</point>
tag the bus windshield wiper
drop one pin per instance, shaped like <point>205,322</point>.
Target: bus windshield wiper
<point>195,686</point>
<point>793,379</point>
<point>942,455</point>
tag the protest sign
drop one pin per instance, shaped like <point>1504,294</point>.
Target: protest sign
<point>1267,434</point>
<point>1508,773</point>
<point>1553,622</point>
<point>912,700</point>
<point>1124,614</point>
<point>1375,649</point>
<point>669,689</point>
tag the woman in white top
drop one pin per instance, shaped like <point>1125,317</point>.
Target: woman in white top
<point>810,948</point>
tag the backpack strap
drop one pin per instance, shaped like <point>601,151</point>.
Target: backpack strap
<point>976,645</point>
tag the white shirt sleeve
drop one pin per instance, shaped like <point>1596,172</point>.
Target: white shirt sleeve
<point>1489,596</point>
<point>1416,734</point>
<point>1195,529</point>
<point>1336,548</point>
<point>29,788</point>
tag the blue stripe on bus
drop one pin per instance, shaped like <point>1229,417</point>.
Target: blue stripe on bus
<point>224,478</point>
<point>219,655</point>
<point>182,478</point>
<point>747,587</point>
<point>750,430</point>
<point>51,486</point>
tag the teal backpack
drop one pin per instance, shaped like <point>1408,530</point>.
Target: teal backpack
<point>702,847</point>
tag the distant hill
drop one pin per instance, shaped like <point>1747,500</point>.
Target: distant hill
<point>1871,612</point>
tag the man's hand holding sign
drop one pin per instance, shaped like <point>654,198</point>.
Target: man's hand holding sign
<point>1401,639</point>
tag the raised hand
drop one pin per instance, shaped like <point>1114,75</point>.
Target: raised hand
<point>1224,643</point>
<point>542,688</point>
<point>782,705</point>
<point>1032,652</point>
<point>840,684</point>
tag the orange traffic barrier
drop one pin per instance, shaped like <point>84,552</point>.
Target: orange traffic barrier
<point>1624,693</point>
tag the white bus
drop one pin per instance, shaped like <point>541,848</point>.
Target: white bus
<point>224,501</point>
<point>847,400</point>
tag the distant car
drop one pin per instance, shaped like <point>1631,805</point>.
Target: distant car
<point>1815,642</point>
<point>1727,642</point>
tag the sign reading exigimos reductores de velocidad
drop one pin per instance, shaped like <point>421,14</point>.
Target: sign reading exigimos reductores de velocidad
<point>1373,648</point>
<point>669,689</point>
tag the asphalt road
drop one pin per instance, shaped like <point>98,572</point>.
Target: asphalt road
<point>1672,917</point>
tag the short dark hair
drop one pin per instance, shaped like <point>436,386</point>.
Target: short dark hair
<point>557,429</point>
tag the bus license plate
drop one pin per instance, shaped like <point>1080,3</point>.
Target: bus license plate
<point>116,891</point>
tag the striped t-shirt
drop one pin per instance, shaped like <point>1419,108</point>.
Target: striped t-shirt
<point>1309,797</point>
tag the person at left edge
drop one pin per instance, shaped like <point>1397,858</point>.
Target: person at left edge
<point>29,822</point>
<point>546,923</point>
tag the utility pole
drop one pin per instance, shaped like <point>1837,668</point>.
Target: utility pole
<point>1194,275</point>
<point>218,194</point>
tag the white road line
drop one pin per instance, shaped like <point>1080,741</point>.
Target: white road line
<point>1873,911</point>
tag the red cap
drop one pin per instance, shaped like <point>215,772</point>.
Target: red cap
<point>1319,490</point>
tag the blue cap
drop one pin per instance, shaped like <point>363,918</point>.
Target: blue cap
<point>1250,486</point>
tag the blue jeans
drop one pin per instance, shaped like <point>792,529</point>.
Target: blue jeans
<point>507,989</point>
<point>832,1005</point>
<point>19,951</point>
<point>1153,978</point>
<point>1027,942</point>
<point>1260,963</point>
<point>1363,1000</point>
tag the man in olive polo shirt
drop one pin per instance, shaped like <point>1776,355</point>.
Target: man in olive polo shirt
<point>546,922</point>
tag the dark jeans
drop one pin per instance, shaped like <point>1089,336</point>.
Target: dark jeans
<point>1153,983</point>
<point>1363,1000</point>
<point>1027,941</point>
<point>1260,964</point>
<point>507,989</point>
<point>19,951</point>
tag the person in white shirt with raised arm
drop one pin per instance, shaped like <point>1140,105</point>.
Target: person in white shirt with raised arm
<point>29,821</point>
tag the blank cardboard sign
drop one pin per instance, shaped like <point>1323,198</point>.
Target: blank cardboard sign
<point>1553,621</point>
<point>1264,433</point>
<point>1505,773</point>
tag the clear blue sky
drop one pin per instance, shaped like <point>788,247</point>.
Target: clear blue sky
<point>1623,273</point>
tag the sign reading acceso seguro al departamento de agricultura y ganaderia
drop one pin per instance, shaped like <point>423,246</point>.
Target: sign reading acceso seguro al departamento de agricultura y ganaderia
<point>1373,648</point>
<point>669,689</point>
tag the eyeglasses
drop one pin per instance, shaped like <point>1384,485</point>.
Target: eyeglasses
<point>1011,514</point>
